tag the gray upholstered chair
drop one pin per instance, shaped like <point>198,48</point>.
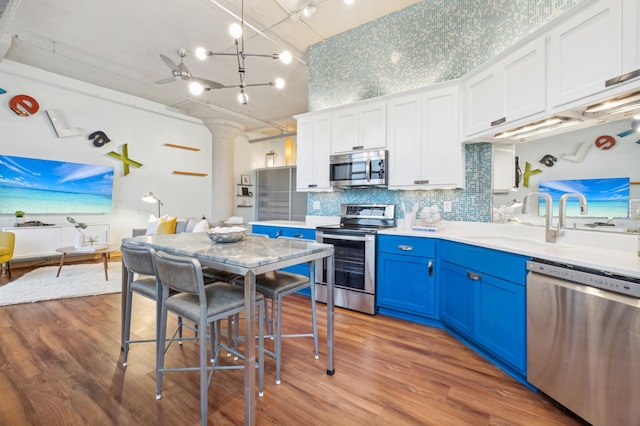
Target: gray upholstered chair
<point>142,281</point>
<point>204,305</point>
<point>275,286</point>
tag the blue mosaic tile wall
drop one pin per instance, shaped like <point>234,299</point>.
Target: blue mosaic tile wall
<point>426,43</point>
<point>470,204</point>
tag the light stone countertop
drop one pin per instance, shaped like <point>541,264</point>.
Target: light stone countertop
<point>608,251</point>
<point>311,222</point>
<point>284,224</point>
<point>611,252</point>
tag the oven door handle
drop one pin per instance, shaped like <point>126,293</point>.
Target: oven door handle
<point>343,237</point>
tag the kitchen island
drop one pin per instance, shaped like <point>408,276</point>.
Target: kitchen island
<point>249,257</point>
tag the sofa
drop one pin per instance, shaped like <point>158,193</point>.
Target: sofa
<point>175,225</point>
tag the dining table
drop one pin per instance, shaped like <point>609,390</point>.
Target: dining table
<point>251,256</point>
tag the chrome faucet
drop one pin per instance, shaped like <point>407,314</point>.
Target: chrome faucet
<point>563,207</point>
<point>549,234</point>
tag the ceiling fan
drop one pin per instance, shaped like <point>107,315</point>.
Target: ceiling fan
<point>180,71</point>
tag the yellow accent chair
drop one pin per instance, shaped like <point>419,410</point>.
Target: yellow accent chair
<point>7,243</point>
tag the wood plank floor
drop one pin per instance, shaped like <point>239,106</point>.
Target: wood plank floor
<point>60,364</point>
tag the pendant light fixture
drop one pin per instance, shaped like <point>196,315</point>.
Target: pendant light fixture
<point>237,33</point>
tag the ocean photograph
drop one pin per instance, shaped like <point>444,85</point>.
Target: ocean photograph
<point>38,186</point>
<point>606,197</point>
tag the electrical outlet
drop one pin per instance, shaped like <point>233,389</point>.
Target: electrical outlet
<point>446,206</point>
<point>316,205</point>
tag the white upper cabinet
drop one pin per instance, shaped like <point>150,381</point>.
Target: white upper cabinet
<point>525,81</point>
<point>313,151</point>
<point>442,153</point>
<point>503,170</point>
<point>585,51</point>
<point>359,127</point>
<point>630,36</point>
<point>404,140</point>
<point>483,94</point>
<point>423,140</point>
<point>512,88</point>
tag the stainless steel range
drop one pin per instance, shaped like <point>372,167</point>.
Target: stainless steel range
<point>354,241</point>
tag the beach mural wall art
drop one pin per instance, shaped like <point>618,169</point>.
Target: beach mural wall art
<point>39,186</point>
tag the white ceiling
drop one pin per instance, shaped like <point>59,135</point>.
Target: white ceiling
<point>117,43</point>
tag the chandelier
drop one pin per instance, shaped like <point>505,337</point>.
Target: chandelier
<point>236,31</point>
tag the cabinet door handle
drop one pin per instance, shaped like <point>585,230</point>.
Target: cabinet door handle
<point>298,236</point>
<point>357,147</point>
<point>405,248</point>
<point>475,277</point>
<point>498,121</point>
<point>421,182</point>
<point>622,78</point>
<point>312,185</point>
<point>430,267</point>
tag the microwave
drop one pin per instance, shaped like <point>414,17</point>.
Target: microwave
<point>359,169</point>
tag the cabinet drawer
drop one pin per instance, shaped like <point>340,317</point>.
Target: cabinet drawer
<point>271,231</point>
<point>410,246</point>
<point>307,234</point>
<point>507,266</point>
<point>281,231</point>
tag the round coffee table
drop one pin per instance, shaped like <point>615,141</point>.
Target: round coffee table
<point>103,250</point>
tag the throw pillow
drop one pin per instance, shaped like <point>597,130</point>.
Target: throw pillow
<point>181,225</point>
<point>202,226</point>
<point>152,225</point>
<point>191,224</point>
<point>166,226</point>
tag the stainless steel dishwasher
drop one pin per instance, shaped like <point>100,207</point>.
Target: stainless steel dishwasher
<point>583,340</point>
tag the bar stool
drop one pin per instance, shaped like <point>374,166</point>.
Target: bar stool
<point>206,306</point>
<point>275,286</point>
<point>139,260</point>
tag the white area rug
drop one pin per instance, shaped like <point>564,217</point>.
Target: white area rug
<point>74,281</point>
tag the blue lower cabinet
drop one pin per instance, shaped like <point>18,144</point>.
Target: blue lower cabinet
<point>500,320</point>
<point>271,231</point>
<point>483,301</point>
<point>406,278</point>
<point>457,298</point>
<point>279,231</point>
<point>306,234</point>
